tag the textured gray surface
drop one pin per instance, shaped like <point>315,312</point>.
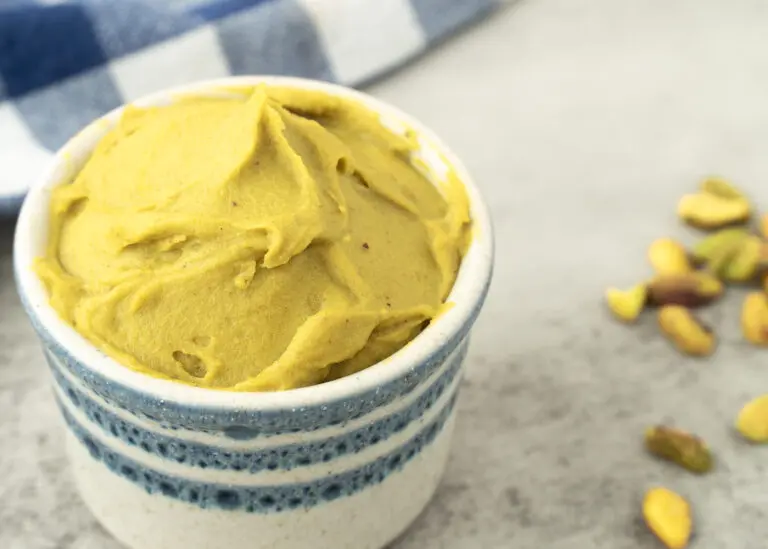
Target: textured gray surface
<point>583,122</point>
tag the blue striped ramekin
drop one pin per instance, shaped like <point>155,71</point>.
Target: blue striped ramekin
<point>347,464</point>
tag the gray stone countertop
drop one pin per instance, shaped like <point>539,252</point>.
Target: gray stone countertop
<point>583,123</point>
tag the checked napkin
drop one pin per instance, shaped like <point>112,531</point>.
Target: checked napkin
<point>65,62</point>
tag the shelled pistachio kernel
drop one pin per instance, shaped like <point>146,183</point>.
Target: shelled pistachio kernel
<point>626,305</point>
<point>668,515</point>
<point>692,289</point>
<point>721,187</point>
<point>668,257</point>
<point>754,318</point>
<point>718,248</point>
<point>683,329</point>
<point>680,447</point>
<point>743,264</point>
<point>752,421</point>
<point>707,210</point>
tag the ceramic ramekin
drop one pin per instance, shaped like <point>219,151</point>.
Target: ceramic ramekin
<point>346,464</point>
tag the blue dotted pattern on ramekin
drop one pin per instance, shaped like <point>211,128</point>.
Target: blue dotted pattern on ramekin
<point>264,499</point>
<point>284,458</point>
<point>246,424</point>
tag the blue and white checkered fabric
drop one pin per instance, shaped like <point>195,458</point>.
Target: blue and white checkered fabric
<point>65,62</point>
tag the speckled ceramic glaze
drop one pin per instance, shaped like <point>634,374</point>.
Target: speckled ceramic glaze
<point>347,464</point>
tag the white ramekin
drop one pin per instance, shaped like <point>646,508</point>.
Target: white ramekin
<point>346,464</point>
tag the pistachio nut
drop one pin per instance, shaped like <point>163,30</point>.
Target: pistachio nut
<point>744,262</point>
<point>752,421</point>
<point>626,305</point>
<point>710,211</point>
<point>686,332</point>
<point>722,188</point>
<point>754,318</point>
<point>720,261</point>
<point>667,256</point>
<point>717,245</point>
<point>679,447</point>
<point>764,226</point>
<point>668,515</point>
<point>690,290</point>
